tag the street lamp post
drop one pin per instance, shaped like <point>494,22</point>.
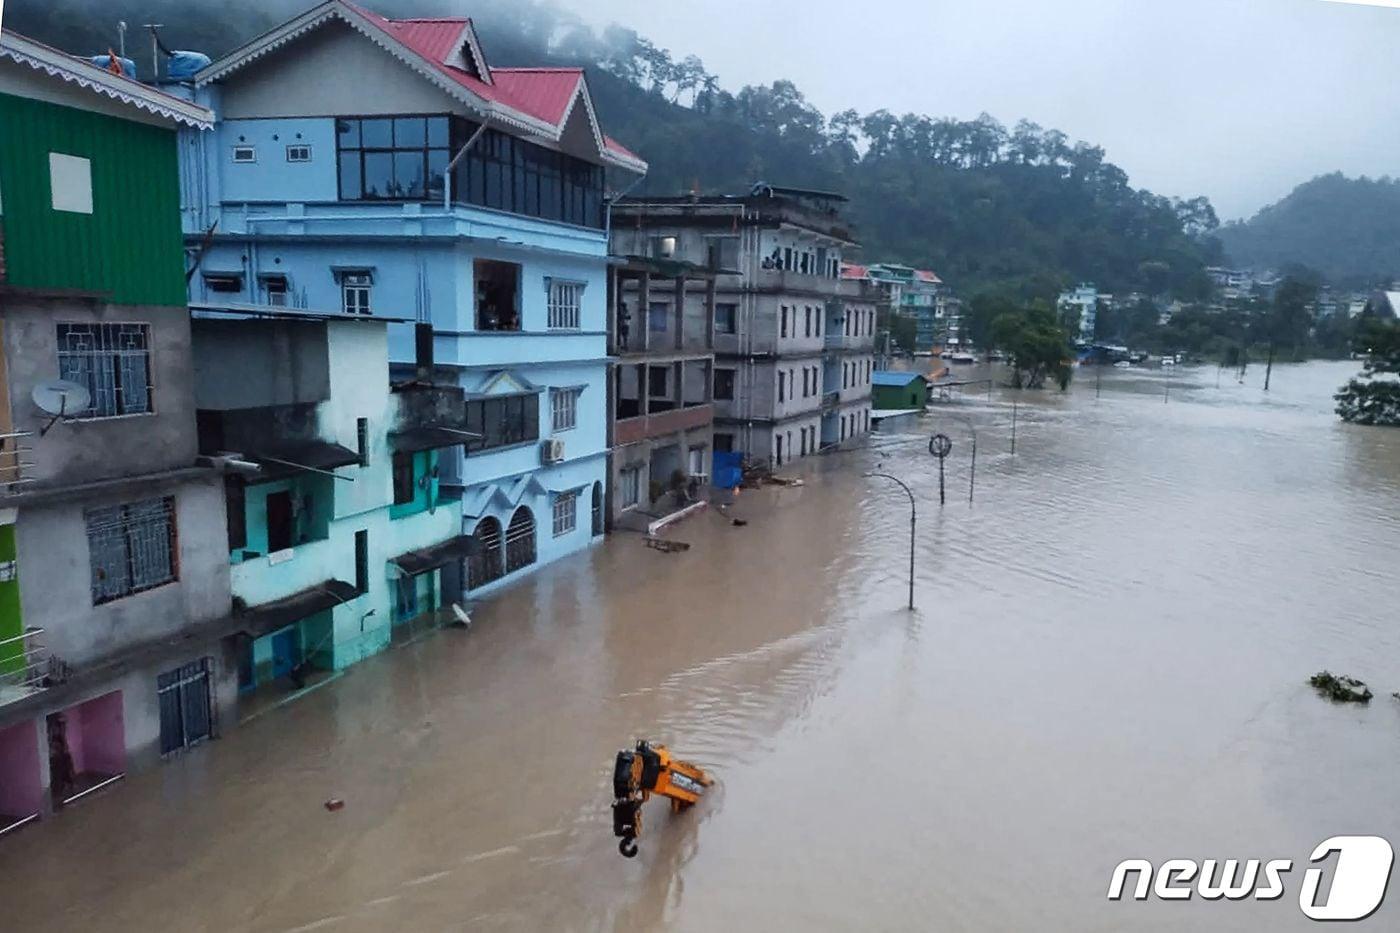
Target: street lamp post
<point>913,520</point>
<point>972,478</point>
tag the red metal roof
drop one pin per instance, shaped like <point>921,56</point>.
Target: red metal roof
<point>924,275</point>
<point>850,270</point>
<point>542,93</point>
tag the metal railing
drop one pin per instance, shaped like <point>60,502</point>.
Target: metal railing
<point>14,468</point>
<point>31,662</point>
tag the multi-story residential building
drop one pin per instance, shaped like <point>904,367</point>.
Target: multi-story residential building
<point>662,320</point>
<point>914,294</point>
<point>1082,303</point>
<point>114,588</point>
<point>338,529</point>
<point>457,195</point>
<point>793,342</point>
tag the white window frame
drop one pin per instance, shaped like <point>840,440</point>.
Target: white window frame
<point>565,513</point>
<point>563,408</point>
<point>357,293</point>
<point>303,149</point>
<point>113,360</point>
<point>630,486</point>
<point>565,301</point>
<point>244,155</point>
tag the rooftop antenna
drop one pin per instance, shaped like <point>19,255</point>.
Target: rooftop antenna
<point>62,399</point>
<point>121,36</point>
<point>155,50</point>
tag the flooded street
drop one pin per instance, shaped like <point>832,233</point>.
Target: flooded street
<point>1108,660</point>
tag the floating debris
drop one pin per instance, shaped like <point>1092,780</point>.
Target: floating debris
<point>740,522</point>
<point>668,547</point>
<point>1341,689</point>
<point>334,804</point>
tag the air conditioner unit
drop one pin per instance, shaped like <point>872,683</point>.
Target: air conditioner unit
<point>552,450</point>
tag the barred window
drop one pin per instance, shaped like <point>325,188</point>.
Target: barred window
<point>563,404</point>
<point>631,486</point>
<point>112,361</point>
<point>565,513</point>
<point>565,303</point>
<point>131,547</point>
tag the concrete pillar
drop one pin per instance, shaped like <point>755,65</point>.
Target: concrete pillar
<point>679,312</point>
<point>710,313</point>
<point>644,388</point>
<point>643,327</point>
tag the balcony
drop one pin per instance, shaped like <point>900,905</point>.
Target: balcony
<point>641,427</point>
<point>787,280</point>
<point>25,665</point>
<point>15,468</point>
<point>430,417</point>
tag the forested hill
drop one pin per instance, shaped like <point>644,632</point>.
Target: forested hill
<point>1346,228</point>
<point>975,201</point>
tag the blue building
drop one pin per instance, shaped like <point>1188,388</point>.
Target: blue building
<point>361,166</point>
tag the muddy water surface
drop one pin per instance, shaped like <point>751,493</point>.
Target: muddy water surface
<point>1108,660</point>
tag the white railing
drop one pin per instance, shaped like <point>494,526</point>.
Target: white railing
<point>14,468</point>
<point>32,663</point>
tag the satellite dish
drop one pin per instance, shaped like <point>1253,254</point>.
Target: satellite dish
<point>60,398</point>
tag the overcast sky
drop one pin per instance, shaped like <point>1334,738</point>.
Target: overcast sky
<point>1239,100</point>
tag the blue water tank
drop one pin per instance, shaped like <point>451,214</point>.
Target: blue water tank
<point>184,66</point>
<point>105,63</point>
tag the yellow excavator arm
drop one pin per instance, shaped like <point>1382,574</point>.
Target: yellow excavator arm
<point>647,770</point>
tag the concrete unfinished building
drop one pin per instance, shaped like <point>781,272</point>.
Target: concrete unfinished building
<point>793,342</point>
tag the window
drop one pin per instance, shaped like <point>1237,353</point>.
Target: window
<point>724,443</point>
<point>112,361</point>
<point>185,717</point>
<point>355,288</point>
<point>724,384</point>
<point>565,303</point>
<point>565,513</point>
<point>808,331</point>
<point>695,462</point>
<point>484,561</point>
<point>274,289</point>
<point>502,421</point>
<point>131,548</point>
<point>597,509</point>
<point>520,540</point>
<point>663,247</point>
<point>659,382</point>
<point>782,386</point>
<point>497,295</point>
<point>631,486</point>
<point>658,313</point>
<point>724,252</point>
<point>396,159</point>
<point>787,258</point>
<point>782,332</point>
<point>404,480</point>
<point>70,183</point>
<point>245,154</point>
<point>298,153</point>
<point>362,561</point>
<point>563,404</point>
<point>778,444</point>
<point>362,439</point>
<point>726,318</point>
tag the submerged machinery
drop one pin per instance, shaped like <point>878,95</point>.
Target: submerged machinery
<point>647,770</point>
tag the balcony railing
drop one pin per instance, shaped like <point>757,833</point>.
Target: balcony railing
<point>25,665</point>
<point>15,469</point>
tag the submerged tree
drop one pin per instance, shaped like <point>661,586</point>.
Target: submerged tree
<point>1037,345</point>
<point>1373,397</point>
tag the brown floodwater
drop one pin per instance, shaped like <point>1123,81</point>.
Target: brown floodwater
<point>1108,660</point>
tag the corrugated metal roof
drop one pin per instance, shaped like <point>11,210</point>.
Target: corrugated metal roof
<point>892,379</point>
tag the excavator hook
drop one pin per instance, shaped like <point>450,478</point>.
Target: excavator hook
<point>648,770</point>
<point>628,847</point>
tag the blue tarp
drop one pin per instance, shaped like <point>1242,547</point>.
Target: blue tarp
<point>729,469</point>
<point>184,66</point>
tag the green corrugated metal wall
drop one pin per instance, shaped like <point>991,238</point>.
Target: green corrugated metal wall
<point>130,246</point>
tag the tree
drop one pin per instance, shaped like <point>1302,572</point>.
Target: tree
<point>1288,322</point>
<point>1037,345</point>
<point>1368,399</point>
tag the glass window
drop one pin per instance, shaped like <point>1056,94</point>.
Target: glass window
<point>409,179</point>
<point>565,513</point>
<point>726,317</point>
<point>437,128</point>
<point>347,134</point>
<point>350,187</point>
<point>503,421</point>
<point>565,304</point>
<point>410,132</point>
<point>379,175</point>
<point>377,134</point>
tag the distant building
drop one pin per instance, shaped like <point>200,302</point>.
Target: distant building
<point>1083,303</point>
<point>914,294</point>
<point>115,648</point>
<point>793,341</point>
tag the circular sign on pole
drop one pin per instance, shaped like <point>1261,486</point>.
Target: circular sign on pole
<point>940,445</point>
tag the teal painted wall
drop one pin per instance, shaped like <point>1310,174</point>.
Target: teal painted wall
<point>311,491</point>
<point>131,245</point>
<point>423,494</point>
<point>11,620</point>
